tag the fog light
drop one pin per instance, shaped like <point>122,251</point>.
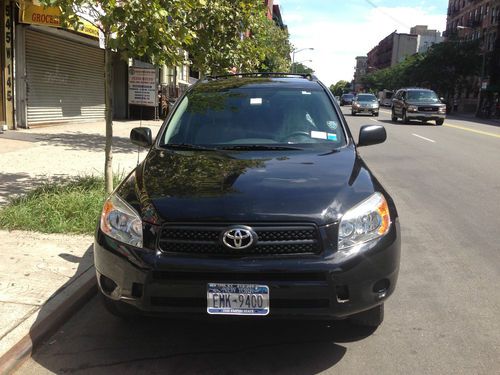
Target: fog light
<point>381,287</point>
<point>107,284</point>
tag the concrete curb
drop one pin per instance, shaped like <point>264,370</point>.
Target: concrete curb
<point>48,319</point>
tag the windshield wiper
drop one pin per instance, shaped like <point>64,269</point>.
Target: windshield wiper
<point>259,147</point>
<point>186,146</point>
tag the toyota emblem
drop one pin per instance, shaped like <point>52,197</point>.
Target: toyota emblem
<point>238,238</point>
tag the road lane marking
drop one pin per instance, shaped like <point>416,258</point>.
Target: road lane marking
<point>472,130</point>
<point>427,139</point>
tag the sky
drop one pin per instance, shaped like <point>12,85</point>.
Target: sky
<point>340,30</point>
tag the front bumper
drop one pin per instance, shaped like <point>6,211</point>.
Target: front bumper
<point>370,111</point>
<point>425,116</point>
<point>328,286</point>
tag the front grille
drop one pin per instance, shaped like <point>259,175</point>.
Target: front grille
<point>200,239</point>
<point>239,277</point>
<point>428,109</point>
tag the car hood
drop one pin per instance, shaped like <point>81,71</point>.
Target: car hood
<point>251,186</point>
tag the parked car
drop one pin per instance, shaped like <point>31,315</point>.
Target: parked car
<point>418,104</point>
<point>252,201</point>
<point>346,99</point>
<point>365,103</point>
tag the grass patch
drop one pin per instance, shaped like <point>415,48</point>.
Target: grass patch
<point>70,206</point>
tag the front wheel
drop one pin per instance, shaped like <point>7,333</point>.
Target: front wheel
<point>394,118</point>
<point>370,318</point>
<point>405,118</point>
<point>117,308</point>
<point>440,121</point>
<point>353,113</point>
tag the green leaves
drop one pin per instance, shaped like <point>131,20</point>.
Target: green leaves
<point>444,67</point>
<point>219,34</point>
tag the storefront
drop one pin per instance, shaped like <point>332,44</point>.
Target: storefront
<point>60,73</point>
<point>6,65</point>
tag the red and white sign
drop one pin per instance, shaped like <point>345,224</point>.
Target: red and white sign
<point>142,88</point>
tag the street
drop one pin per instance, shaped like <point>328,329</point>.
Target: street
<point>442,318</point>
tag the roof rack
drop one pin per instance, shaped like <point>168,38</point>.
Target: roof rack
<point>308,76</point>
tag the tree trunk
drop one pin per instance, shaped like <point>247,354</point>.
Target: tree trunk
<point>108,163</point>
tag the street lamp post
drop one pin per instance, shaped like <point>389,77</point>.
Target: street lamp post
<point>297,51</point>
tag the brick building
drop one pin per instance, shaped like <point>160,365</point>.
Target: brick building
<point>392,50</point>
<point>478,20</point>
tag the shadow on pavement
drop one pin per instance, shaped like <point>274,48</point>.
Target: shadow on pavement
<point>15,184</point>
<point>88,142</point>
<point>98,343</point>
<point>411,123</point>
<point>65,301</point>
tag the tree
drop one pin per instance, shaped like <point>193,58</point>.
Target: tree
<point>222,36</point>
<point>340,87</point>
<point>301,68</point>
<point>156,29</point>
<point>273,43</point>
<point>445,68</point>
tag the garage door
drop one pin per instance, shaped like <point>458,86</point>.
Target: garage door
<point>65,80</point>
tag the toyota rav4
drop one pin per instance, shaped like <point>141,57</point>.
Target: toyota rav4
<point>252,201</point>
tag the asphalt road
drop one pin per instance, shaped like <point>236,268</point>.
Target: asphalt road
<point>442,319</point>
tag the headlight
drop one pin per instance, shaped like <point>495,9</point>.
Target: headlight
<point>412,108</point>
<point>354,104</point>
<point>121,222</point>
<point>366,221</point>
<point>442,109</point>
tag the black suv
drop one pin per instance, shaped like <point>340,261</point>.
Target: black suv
<point>251,201</point>
<point>418,104</point>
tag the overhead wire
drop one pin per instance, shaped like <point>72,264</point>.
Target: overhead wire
<point>371,3</point>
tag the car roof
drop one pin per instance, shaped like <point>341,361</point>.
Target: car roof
<point>259,80</point>
<point>416,88</point>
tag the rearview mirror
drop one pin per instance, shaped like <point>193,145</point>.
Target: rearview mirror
<point>371,135</point>
<point>141,137</point>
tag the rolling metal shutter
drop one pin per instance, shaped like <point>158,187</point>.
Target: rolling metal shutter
<point>65,80</point>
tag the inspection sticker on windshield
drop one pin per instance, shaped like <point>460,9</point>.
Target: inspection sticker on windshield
<point>331,136</point>
<point>331,124</point>
<point>318,135</point>
<point>306,93</point>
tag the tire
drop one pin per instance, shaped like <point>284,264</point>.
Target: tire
<point>440,121</point>
<point>394,118</point>
<point>353,113</point>
<point>370,318</point>
<point>375,114</point>
<point>117,308</point>
<point>405,118</point>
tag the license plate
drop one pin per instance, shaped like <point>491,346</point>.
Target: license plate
<point>237,299</point>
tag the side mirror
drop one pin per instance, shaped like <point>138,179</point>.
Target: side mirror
<point>442,99</point>
<point>141,137</point>
<point>371,135</point>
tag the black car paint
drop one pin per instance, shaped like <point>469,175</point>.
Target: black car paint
<point>248,187</point>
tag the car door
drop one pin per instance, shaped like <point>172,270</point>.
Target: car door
<point>399,102</point>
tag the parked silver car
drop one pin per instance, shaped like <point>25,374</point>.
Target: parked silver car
<point>365,103</point>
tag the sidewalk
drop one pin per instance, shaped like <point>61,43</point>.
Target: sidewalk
<point>46,277</point>
<point>472,117</point>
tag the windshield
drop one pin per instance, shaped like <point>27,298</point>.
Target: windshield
<point>423,96</point>
<point>367,98</point>
<point>268,115</point>
<point>348,96</point>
